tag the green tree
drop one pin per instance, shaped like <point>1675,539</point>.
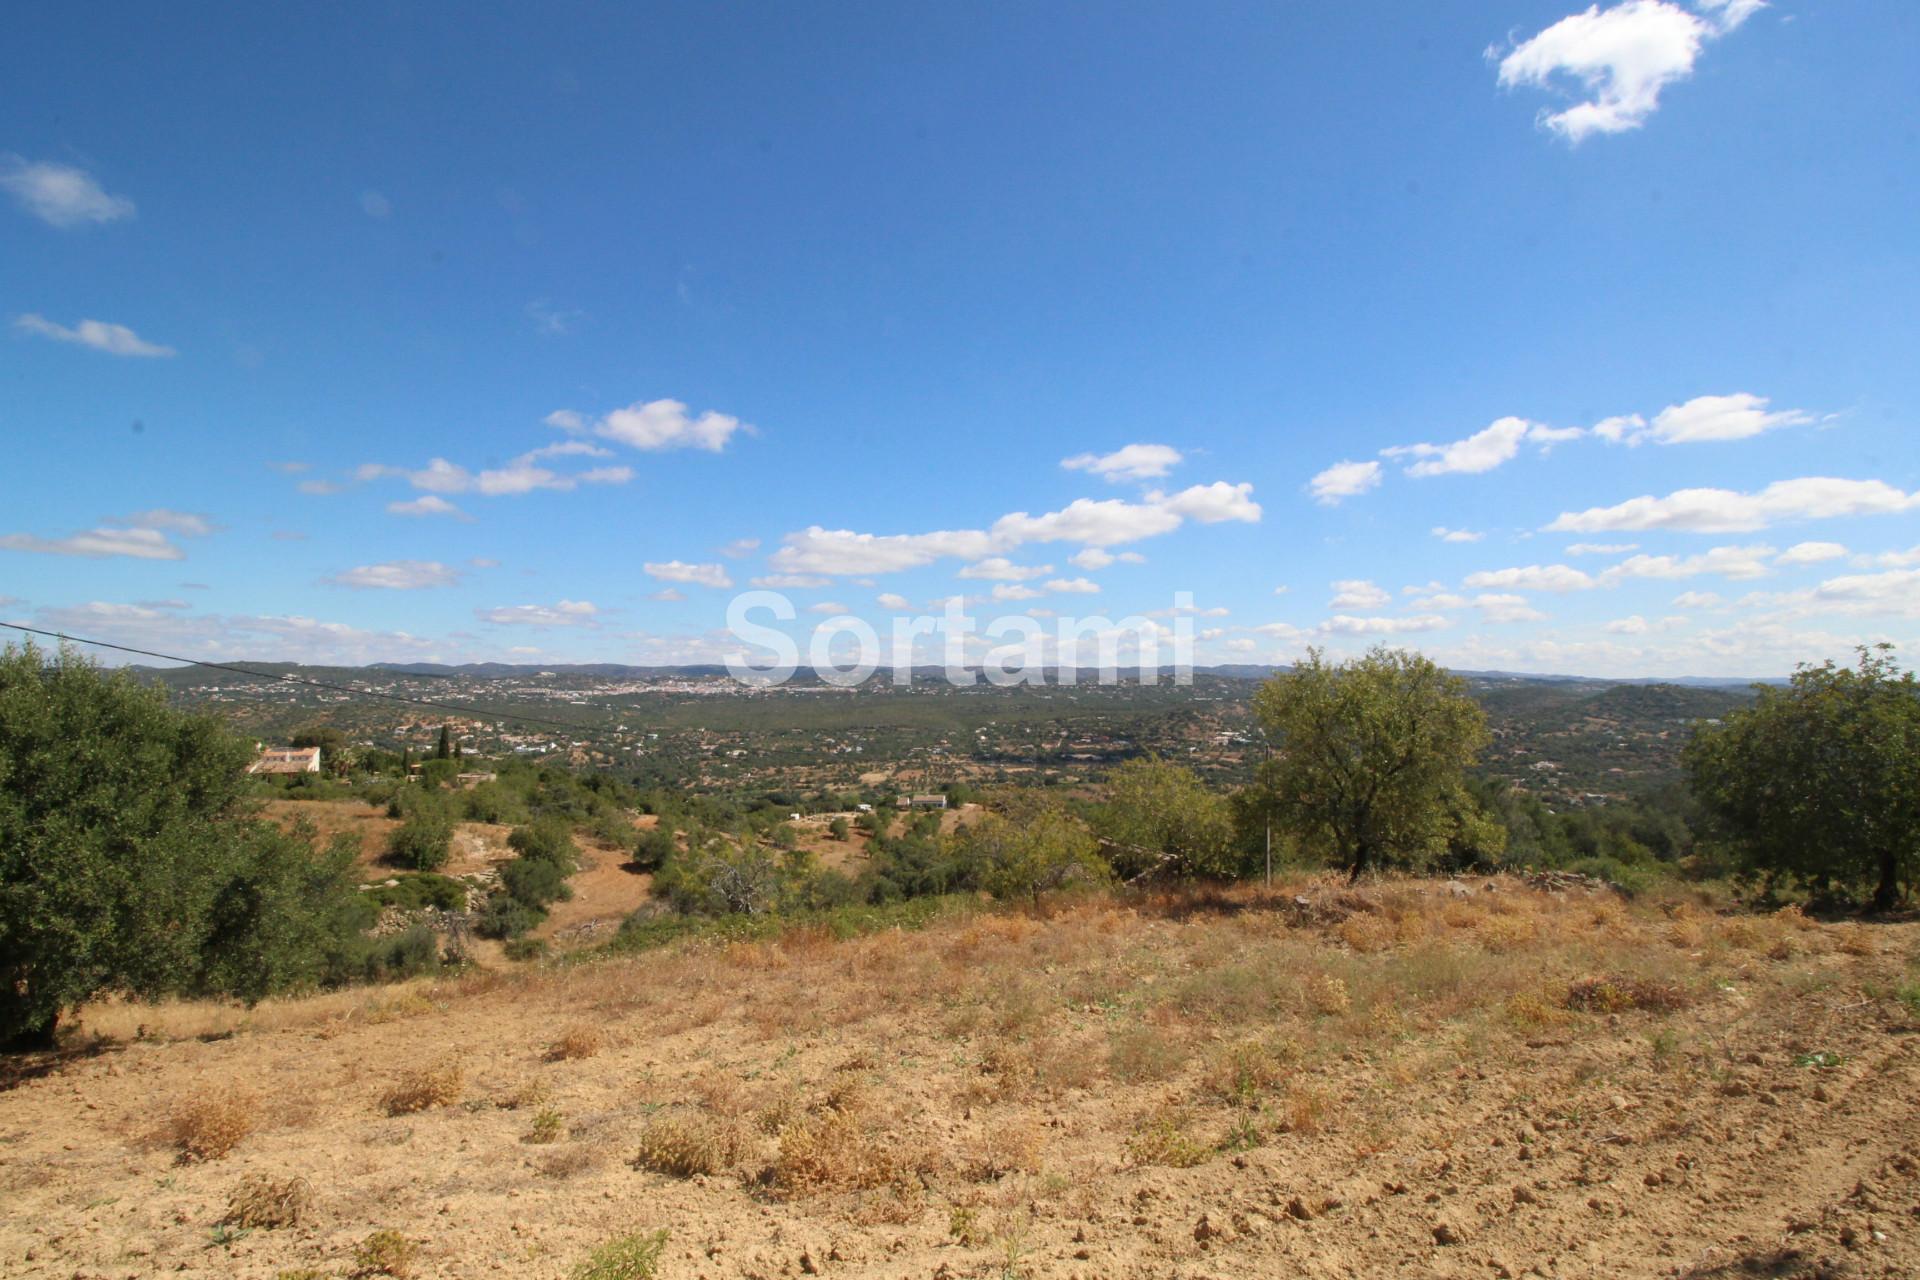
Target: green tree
<point>839,829</point>
<point>1371,756</point>
<point>129,862</point>
<point>444,751</point>
<point>1821,778</point>
<point>424,840</point>
<point>1033,847</point>
<point>1161,817</point>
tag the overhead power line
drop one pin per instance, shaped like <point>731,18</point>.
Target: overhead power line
<point>292,679</point>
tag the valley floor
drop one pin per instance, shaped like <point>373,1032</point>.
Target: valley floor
<point>1418,1078</point>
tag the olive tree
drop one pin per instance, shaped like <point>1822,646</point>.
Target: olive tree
<point>1821,778</point>
<point>1033,847</point>
<point>130,863</point>
<point>1370,756</point>
<point>1159,817</point>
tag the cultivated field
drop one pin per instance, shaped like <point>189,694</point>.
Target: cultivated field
<point>1415,1079</point>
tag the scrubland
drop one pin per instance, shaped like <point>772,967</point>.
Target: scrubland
<point>1478,1078</point>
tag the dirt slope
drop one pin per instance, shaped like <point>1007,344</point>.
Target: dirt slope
<point>1419,1080</point>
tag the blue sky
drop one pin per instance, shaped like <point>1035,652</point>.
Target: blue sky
<point>333,334</point>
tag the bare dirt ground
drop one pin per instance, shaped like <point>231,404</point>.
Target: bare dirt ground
<point>1417,1079</point>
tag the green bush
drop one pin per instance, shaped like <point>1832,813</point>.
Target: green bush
<point>526,948</point>
<point>419,890</point>
<point>534,881</point>
<point>653,847</point>
<point>548,838</point>
<point>423,841</point>
<point>128,859</point>
<point>505,916</point>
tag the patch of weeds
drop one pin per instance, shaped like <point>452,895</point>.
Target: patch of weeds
<point>634,1257</point>
<point>425,1088</point>
<point>579,1041</point>
<point>548,1126</point>
<point>265,1201</point>
<point>1665,1044</point>
<point>1140,1054</point>
<point>385,1253</point>
<point>1818,1060</point>
<point>1909,996</point>
<point>963,1224</point>
<point>1246,1072</point>
<point>208,1128</point>
<point>224,1236</point>
<point>1618,993</point>
<point>681,1145</point>
<point>1166,1138</point>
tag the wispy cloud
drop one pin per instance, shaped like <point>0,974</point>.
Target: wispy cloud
<point>60,195</point>
<point>1727,511</point>
<point>1131,462</point>
<point>567,613</point>
<point>1703,419</point>
<point>1344,480</point>
<point>655,425</point>
<point>140,536</point>
<point>114,339</point>
<point>704,575</point>
<point>397,575</point>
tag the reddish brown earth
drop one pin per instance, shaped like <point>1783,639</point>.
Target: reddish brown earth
<point>1414,1080</point>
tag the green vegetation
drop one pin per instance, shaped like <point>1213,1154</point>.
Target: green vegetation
<point>130,863</point>
<point>424,840</point>
<point>1821,780</point>
<point>1372,759</point>
<point>532,881</point>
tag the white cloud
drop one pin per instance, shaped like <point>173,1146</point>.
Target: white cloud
<point>1499,607</point>
<point>1533,577</point>
<point>842,551</point>
<point>567,613</point>
<point>705,575</point>
<point>1095,559</point>
<point>1727,562</point>
<point>114,339</point>
<point>1725,511</point>
<point>791,581</point>
<point>654,425</point>
<point>140,544</point>
<point>1344,625</point>
<point>267,638</point>
<point>425,505</point>
<point>1001,569</point>
<point>1602,548</point>
<point>1892,559</point>
<point>1097,523</point>
<point>893,601</point>
<point>1698,600</point>
<point>397,575</point>
<point>1811,553</point>
<point>1344,480</point>
<point>1211,503</point>
<point>1134,462</point>
<point>1015,591</point>
<point>1482,451</point>
<point>1622,57</point>
<point>828,606</point>
<point>59,194</point>
<point>140,536</point>
<point>1357,593</point>
<point>1073,586</point>
<point>667,595</point>
<point>740,548</point>
<point>1445,534</point>
<point>1703,420</point>
<point>1633,626</point>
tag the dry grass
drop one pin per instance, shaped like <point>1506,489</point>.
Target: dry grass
<point>265,1202</point>
<point>208,1127</point>
<point>1617,993</point>
<point>425,1088</point>
<point>682,1144</point>
<point>577,1041</point>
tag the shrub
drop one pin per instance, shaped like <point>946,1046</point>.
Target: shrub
<point>1166,1138</point>
<point>505,916</point>
<point>634,1257</point>
<point>681,1145</point>
<point>413,951</point>
<point>267,1202</point>
<point>525,948</point>
<point>385,1253</point>
<point>534,882</point>
<point>1144,1053</point>
<point>548,838</point>
<point>576,1042</point>
<point>423,841</point>
<point>424,1088</point>
<point>653,847</point>
<point>420,890</point>
<point>208,1128</point>
<point>548,1126</point>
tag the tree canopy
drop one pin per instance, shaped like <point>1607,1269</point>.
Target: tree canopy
<point>128,861</point>
<point>1821,779</point>
<point>1371,757</point>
